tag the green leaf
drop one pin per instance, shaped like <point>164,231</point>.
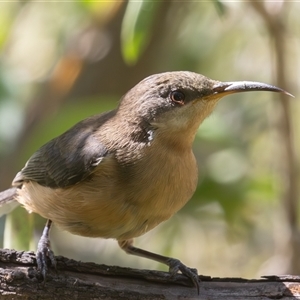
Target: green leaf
<point>220,7</point>
<point>136,27</point>
<point>7,15</point>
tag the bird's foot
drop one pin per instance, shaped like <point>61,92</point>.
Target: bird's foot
<point>44,252</point>
<point>176,265</point>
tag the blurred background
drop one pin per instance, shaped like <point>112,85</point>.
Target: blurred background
<point>61,62</point>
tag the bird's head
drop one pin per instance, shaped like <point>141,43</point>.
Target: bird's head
<point>178,102</point>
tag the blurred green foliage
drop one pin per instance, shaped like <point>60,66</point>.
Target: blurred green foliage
<point>136,28</point>
<point>229,226</point>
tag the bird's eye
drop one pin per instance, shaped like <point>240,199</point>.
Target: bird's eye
<point>177,97</point>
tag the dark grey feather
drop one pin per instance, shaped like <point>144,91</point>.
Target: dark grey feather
<point>69,158</point>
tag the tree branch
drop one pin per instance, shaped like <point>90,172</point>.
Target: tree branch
<point>19,279</point>
<point>276,25</point>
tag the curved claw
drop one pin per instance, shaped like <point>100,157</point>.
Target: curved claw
<point>44,251</point>
<point>176,265</point>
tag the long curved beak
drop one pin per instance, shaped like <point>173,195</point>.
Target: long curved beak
<point>226,88</point>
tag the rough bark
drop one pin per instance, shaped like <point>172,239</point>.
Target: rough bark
<point>19,279</point>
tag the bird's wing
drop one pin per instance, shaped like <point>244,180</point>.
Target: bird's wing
<point>67,159</point>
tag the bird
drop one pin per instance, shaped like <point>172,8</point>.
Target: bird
<point>121,173</point>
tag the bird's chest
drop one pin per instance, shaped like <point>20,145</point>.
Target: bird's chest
<point>157,187</point>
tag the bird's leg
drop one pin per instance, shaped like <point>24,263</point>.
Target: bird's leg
<point>44,251</point>
<point>174,264</point>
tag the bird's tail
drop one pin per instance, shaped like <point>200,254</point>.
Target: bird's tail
<point>8,201</point>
